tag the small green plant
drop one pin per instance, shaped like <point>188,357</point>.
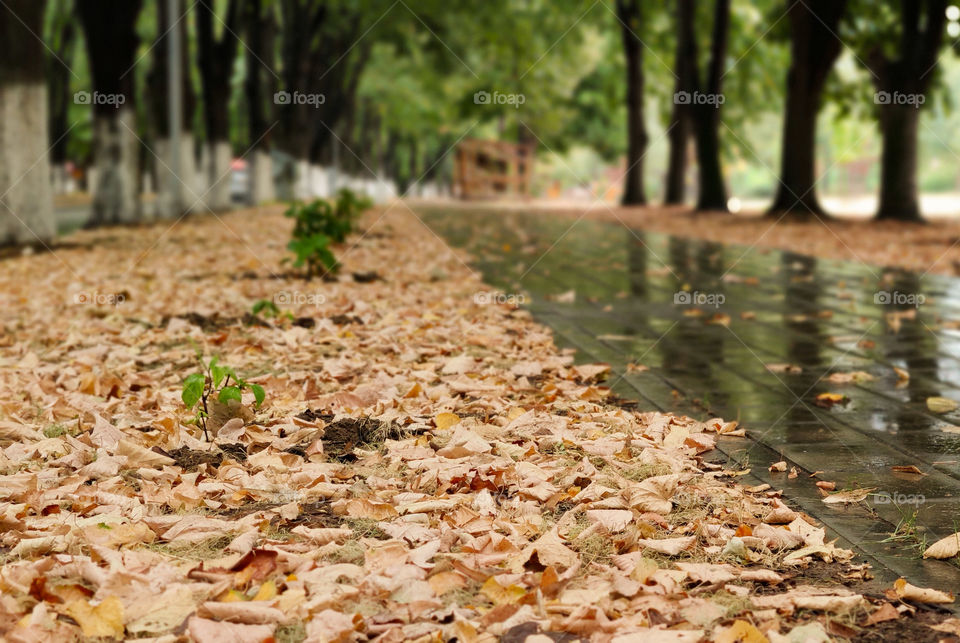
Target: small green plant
<point>266,307</point>
<point>314,231</point>
<point>318,225</point>
<point>349,205</point>
<point>214,380</point>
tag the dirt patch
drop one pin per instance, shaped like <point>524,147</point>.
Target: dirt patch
<point>214,322</point>
<point>312,416</point>
<point>343,320</point>
<point>366,277</point>
<point>236,451</point>
<point>189,459</point>
<point>314,514</point>
<point>340,438</point>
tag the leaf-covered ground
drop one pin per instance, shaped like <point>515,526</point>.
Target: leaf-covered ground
<point>424,467</point>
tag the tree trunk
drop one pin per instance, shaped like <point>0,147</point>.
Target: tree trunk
<point>260,31</point>
<point>679,129</point>
<point>902,85</point>
<point>630,17</point>
<point>26,199</point>
<point>814,48</point>
<point>62,40</point>
<point>216,58</point>
<point>706,112</point>
<point>109,31</point>
<point>795,191</point>
<point>175,194</point>
<point>713,192</point>
<point>898,163</point>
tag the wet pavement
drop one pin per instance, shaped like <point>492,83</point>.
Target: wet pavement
<point>708,329</point>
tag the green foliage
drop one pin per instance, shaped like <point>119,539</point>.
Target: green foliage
<point>349,205</point>
<point>318,225</point>
<point>266,307</point>
<point>214,381</point>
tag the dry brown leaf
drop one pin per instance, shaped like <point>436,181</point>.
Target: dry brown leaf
<point>850,496</point>
<point>907,592</point>
<point>944,548</point>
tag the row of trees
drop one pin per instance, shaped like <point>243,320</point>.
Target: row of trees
<point>385,88</point>
<point>899,48</point>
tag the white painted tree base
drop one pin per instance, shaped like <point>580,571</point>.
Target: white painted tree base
<point>115,197</point>
<point>261,177</point>
<point>26,207</point>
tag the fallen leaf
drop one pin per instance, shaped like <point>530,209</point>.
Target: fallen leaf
<point>906,591</point>
<point>104,619</point>
<point>828,400</point>
<point>911,469</point>
<point>739,632</point>
<point>850,496</point>
<point>886,612</point>
<point>944,548</point>
<point>446,420</point>
<point>941,404</point>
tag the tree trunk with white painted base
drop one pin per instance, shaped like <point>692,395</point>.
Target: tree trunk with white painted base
<point>112,41</point>
<point>261,177</point>
<point>216,64</point>
<point>176,195</point>
<point>115,158</point>
<point>26,200</point>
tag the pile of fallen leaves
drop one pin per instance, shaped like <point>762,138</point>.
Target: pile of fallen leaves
<point>425,466</point>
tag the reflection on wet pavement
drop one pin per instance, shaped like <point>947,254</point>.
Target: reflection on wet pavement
<point>755,335</point>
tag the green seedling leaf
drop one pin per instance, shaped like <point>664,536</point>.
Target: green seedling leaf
<point>228,393</point>
<point>193,389</point>
<point>258,393</point>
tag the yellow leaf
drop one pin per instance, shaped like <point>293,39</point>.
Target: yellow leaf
<point>501,595</point>
<point>267,591</point>
<point>515,412</point>
<point>740,632</point>
<point>941,404</point>
<point>414,391</point>
<point>232,596</point>
<point>105,619</point>
<point>446,420</point>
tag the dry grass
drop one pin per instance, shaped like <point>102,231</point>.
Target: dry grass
<point>206,549</point>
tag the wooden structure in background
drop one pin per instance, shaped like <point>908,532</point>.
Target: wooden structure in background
<point>489,169</point>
